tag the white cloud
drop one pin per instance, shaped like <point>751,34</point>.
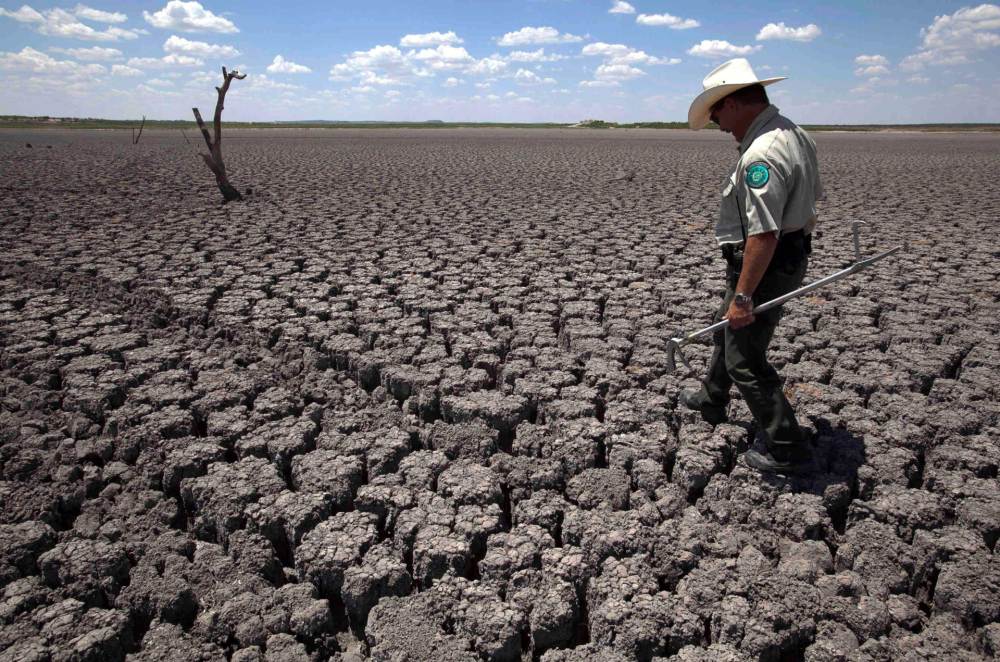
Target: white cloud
<point>491,66</point>
<point>484,86</point>
<point>452,82</point>
<point>621,7</point>
<point>159,82</point>
<point>444,58</point>
<point>90,54</point>
<point>172,60</point>
<point>622,54</point>
<point>493,97</point>
<point>524,100</point>
<point>39,63</point>
<point>189,17</point>
<point>261,83</point>
<point>511,95</point>
<point>184,46</point>
<point>871,60</point>
<point>526,77</point>
<point>718,48</point>
<point>874,70</point>
<point>63,23</point>
<point>918,79</point>
<point>969,28</point>
<point>282,66</point>
<point>393,94</point>
<point>544,35</point>
<point>935,58</point>
<point>951,38</point>
<point>672,22</point>
<point>99,16</point>
<point>599,83</point>
<point>430,39</point>
<point>617,72</point>
<point>780,31</point>
<point>535,56</point>
<point>382,65</point>
<point>23,15</point>
<point>122,70</point>
<point>873,83</point>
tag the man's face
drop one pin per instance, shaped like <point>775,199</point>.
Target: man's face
<point>723,114</point>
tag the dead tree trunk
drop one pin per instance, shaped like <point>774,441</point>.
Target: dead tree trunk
<point>214,157</point>
<point>135,140</point>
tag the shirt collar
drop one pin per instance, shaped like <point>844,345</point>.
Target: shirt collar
<point>758,123</point>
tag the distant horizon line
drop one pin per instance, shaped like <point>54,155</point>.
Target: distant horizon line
<point>7,120</point>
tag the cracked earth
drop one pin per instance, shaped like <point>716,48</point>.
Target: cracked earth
<point>408,401</point>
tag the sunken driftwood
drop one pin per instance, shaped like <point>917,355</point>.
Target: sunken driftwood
<point>214,157</point>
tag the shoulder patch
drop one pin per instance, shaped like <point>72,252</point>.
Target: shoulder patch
<point>758,174</point>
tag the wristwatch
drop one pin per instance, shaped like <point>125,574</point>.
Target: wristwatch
<point>742,299</point>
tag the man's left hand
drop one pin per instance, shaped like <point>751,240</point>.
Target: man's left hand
<point>739,315</point>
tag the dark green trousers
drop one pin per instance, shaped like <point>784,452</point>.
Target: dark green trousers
<point>740,357</point>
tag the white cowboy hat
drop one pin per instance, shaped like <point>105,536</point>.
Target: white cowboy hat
<point>724,80</point>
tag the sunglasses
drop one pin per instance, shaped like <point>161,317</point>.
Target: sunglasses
<point>716,107</point>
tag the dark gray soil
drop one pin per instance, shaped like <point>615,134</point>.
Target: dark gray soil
<point>407,401</point>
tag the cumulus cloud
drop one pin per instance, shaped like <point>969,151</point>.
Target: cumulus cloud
<point>452,82</point>
<point>33,61</point>
<point>123,70</point>
<point>444,58</point>
<point>282,66</point>
<point>23,15</point>
<point>873,70</point>
<point>918,79</point>
<point>951,38</point>
<point>534,56</point>
<point>618,72</point>
<point>621,7</point>
<point>491,66</point>
<point>935,58</point>
<point>382,65</point>
<point>672,22</point>
<point>544,35</point>
<point>526,77</point>
<point>430,39</point>
<point>90,54</point>
<point>719,48</point>
<point>99,16</point>
<point>184,46</point>
<point>622,54</point>
<point>167,61</point>
<point>871,60</point>
<point>780,31</point>
<point>189,17</point>
<point>873,83</point>
<point>599,83</point>
<point>968,28</point>
<point>159,82</point>
<point>65,23</point>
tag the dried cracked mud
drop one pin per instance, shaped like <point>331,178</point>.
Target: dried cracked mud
<point>408,402</point>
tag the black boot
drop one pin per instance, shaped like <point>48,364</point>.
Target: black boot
<point>711,415</point>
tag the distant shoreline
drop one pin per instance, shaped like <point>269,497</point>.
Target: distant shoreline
<point>45,123</point>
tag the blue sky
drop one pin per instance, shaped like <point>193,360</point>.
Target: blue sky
<point>518,61</point>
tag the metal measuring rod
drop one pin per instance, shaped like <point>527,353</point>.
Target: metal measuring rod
<point>674,344</point>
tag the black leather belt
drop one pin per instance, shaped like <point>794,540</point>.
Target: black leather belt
<point>791,249</point>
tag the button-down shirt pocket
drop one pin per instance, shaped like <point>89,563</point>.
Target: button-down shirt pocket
<point>729,228</point>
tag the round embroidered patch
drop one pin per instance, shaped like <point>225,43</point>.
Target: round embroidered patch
<point>757,174</point>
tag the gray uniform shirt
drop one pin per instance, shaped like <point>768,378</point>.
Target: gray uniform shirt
<point>775,183</point>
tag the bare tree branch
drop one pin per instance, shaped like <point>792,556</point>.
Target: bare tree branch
<point>214,158</point>
<point>136,139</point>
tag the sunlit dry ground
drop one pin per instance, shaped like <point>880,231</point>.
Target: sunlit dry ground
<point>408,401</point>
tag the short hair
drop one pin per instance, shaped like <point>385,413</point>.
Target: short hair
<point>750,96</point>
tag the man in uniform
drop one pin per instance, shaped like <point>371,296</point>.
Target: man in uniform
<point>768,213</point>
